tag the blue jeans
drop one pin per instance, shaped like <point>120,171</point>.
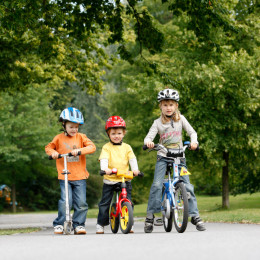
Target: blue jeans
<point>154,202</point>
<point>77,199</point>
<point>107,196</point>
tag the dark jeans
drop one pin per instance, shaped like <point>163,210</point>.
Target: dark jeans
<point>104,204</point>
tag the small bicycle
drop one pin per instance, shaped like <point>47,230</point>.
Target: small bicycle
<point>174,194</point>
<point>121,211</point>
<point>68,223</point>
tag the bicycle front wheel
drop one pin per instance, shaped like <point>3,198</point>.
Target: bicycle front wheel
<point>127,218</point>
<point>166,214</point>
<point>114,221</point>
<point>181,212</point>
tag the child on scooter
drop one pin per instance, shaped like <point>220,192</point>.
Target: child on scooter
<point>119,155</point>
<point>72,141</point>
<point>169,126</point>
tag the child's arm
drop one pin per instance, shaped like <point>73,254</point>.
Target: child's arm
<point>148,140</point>
<point>88,146</point>
<point>134,166</point>
<point>191,132</point>
<point>104,166</point>
<point>50,149</point>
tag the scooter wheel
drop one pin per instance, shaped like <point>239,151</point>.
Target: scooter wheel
<point>68,227</point>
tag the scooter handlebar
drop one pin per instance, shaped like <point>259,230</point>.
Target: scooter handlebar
<point>63,155</point>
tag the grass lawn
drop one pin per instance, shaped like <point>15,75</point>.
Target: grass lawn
<point>244,208</point>
<point>16,231</point>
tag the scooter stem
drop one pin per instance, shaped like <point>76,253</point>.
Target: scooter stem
<point>66,190</point>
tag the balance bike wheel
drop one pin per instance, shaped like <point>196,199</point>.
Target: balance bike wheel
<point>114,221</point>
<point>181,213</point>
<point>127,218</point>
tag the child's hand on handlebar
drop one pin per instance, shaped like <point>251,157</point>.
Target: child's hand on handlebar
<point>193,146</point>
<point>55,155</point>
<point>150,145</point>
<point>108,171</point>
<point>135,173</point>
<point>75,152</point>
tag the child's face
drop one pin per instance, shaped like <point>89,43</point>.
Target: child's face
<point>168,107</point>
<point>72,128</point>
<point>116,135</point>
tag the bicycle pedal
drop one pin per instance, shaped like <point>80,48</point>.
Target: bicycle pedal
<point>158,222</point>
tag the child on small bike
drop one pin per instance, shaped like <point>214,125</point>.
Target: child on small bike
<point>72,141</point>
<point>114,154</point>
<point>169,126</point>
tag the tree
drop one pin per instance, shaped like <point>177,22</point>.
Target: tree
<point>27,125</point>
<point>216,74</point>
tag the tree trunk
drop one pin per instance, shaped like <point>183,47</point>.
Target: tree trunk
<point>225,182</point>
<point>14,197</point>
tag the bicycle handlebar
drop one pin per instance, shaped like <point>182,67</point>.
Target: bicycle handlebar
<point>63,155</point>
<point>170,152</point>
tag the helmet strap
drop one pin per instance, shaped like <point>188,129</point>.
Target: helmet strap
<point>115,143</point>
<point>64,129</point>
<point>171,116</point>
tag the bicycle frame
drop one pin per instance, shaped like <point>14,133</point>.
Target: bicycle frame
<point>120,199</point>
<point>170,185</point>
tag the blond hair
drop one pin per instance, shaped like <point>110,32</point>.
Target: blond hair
<point>109,130</point>
<point>176,115</point>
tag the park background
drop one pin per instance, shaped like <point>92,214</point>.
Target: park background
<point>111,58</point>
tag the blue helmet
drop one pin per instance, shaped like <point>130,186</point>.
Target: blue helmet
<point>71,114</point>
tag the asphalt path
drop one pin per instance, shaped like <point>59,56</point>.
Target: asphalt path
<point>219,241</point>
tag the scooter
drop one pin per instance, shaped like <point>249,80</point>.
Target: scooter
<point>68,228</point>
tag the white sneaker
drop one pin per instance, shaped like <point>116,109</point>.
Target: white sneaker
<point>80,230</point>
<point>132,229</point>
<point>99,229</point>
<point>58,229</point>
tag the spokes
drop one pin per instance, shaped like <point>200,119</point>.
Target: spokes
<point>125,217</point>
<point>179,207</point>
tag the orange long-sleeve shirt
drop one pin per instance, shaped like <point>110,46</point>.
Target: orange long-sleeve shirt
<point>76,165</point>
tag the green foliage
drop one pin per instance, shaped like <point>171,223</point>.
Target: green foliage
<point>219,87</point>
<point>26,125</point>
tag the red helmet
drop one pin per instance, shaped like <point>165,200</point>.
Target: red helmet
<point>115,121</point>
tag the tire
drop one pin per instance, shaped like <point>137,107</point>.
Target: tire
<point>67,227</point>
<point>181,212</point>
<point>166,214</point>
<point>114,221</point>
<point>127,219</point>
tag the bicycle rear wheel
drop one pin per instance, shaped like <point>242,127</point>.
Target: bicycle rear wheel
<point>114,221</point>
<point>181,213</point>
<point>127,218</point>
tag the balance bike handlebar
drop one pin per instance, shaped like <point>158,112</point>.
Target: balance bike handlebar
<point>102,173</point>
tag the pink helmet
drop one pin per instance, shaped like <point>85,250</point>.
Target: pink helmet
<point>114,122</point>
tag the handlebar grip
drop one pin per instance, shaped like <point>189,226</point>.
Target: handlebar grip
<point>141,174</point>
<point>145,147</point>
<point>50,157</point>
<point>79,153</point>
<point>102,173</point>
